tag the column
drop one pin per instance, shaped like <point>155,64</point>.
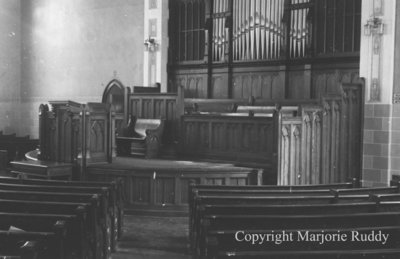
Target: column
<point>377,67</point>
<point>156,15</point>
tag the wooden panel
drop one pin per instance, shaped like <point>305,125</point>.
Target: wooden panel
<point>170,187</point>
<point>261,82</point>
<point>290,151</point>
<point>219,83</point>
<point>98,146</point>
<point>141,190</point>
<point>193,81</point>
<point>184,188</point>
<point>327,79</point>
<point>165,187</point>
<point>154,106</point>
<point>311,145</point>
<point>331,139</point>
<point>215,181</point>
<point>351,127</point>
<point>232,138</point>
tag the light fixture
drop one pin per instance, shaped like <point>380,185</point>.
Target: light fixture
<point>374,25</point>
<point>150,44</point>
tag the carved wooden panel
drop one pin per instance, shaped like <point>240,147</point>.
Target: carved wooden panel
<point>290,151</point>
<point>232,138</point>
<point>330,139</point>
<point>266,85</point>
<point>350,141</point>
<point>141,189</point>
<point>193,81</point>
<point>98,136</point>
<point>165,187</point>
<point>327,80</point>
<point>170,187</point>
<point>98,146</point>
<point>311,145</point>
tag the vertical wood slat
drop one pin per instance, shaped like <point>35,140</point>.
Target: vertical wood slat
<point>311,144</point>
<point>290,150</point>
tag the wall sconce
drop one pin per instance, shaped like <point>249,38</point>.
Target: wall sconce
<point>150,44</point>
<point>374,25</point>
<point>375,28</point>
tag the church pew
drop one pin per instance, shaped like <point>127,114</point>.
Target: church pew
<point>291,209</point>
<point>314,221</point>
<point>243,196</point>
<point>387,196</point>
<point>31,245</point>
<point>103,193</point>
<point>267,192</point>
<point>372,190</point>
<point>115,189</point>
<point>83,210</point>
<point>361,195</point>
<point>75,243</point>
<point>244,200</point>
<point>93,199</point>
<point>292,240</point>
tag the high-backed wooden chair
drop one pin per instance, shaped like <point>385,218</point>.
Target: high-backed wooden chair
<point>142,137</point>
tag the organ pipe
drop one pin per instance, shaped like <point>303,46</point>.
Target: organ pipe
<point>258,32</point>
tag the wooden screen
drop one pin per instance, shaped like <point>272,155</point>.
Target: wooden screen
<point>189,21</point>
<point>338,24</point>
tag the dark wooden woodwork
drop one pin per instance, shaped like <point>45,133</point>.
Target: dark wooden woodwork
<point>147,89</point>
<point>322,144</point>
<point>16,146</point>
<point>115,95</point>
<point>166,106</point>
<point>42,170</point>
<point>142,137</point>
<point>76,134</point>
<point>163,188</point>
<point>238,139</point>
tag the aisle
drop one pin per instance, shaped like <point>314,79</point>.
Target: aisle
<point>154,237</point>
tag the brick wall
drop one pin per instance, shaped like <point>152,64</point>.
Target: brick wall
<point>377,120</point>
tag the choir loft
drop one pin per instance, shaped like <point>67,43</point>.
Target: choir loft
<point>172,128</point>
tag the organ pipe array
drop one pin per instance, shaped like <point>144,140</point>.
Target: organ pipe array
<point>259,29</point>
<point>220,32</point>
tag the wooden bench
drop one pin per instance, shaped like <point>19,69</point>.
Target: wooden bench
<point>92,232</point>
<point>32,245</point>
<point>75,245</point>
<point>115,189</point>
<point>221,223</point>
<point>95,204</point>
<point>223,242</point>
<point>142,137</point>
<point>106,217</point>
<point>241,200</point>
<point>109,227</point>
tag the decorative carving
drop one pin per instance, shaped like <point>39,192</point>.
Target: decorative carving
<point>296,132</point>
<point>375,90</point>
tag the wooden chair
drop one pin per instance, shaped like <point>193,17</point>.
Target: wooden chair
<point>142,137</point>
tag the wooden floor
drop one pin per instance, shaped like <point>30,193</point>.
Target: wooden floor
<point>153,237</point>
